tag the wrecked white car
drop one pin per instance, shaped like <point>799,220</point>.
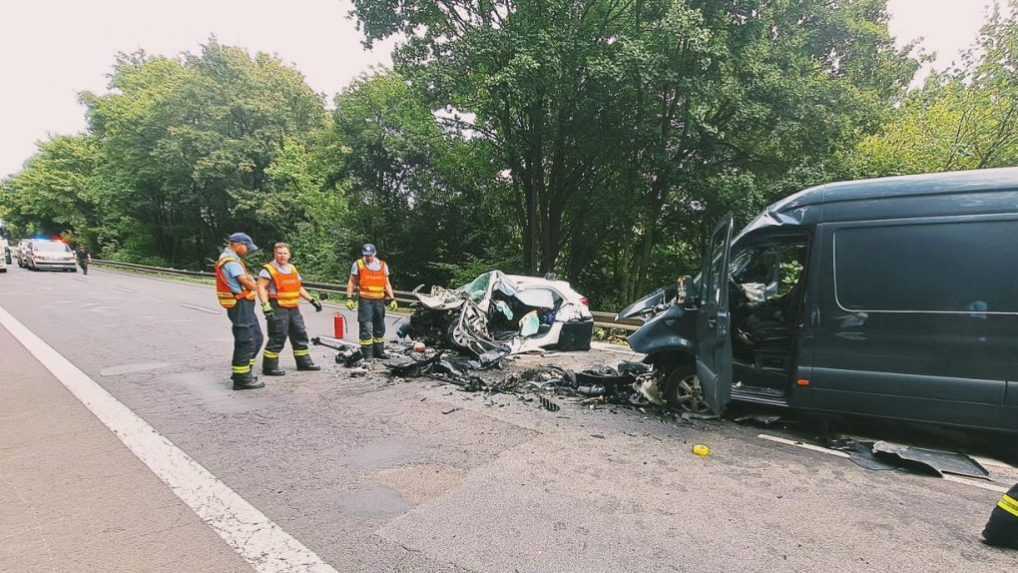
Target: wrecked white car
<point>498,314</point>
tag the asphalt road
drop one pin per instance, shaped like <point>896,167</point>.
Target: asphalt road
<point>376,476</point>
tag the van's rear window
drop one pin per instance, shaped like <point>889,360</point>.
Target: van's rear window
<point>945,267</point>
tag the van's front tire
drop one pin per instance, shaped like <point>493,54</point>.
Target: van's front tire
<point>682,390</point>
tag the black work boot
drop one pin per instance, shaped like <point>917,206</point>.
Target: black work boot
<point>379,349</point>
<point>366,351</point>
<point>270,366</point>
<point>246,382</point>
<point>1002,528</point>
<point>305,363</point>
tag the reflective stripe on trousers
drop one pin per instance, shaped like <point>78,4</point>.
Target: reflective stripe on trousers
<point>371,319</point>
<point>286,323</point>
<point>247,336</point>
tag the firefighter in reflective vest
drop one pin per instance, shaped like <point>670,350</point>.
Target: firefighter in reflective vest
<point>371,277</point>
<point>280,289</point>
<point>235,289</point>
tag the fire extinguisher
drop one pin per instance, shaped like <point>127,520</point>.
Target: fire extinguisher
<point>339,325</point>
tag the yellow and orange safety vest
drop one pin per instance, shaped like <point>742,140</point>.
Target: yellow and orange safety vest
<point>287,293</point>
<point>227,298</point>
<point>371,283</point>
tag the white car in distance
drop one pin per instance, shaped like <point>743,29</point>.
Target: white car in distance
<point>45,254</point>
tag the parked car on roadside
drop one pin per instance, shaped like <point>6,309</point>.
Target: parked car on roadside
<point>887,297</point>
<point>44,254</point>
<point>21,252</point>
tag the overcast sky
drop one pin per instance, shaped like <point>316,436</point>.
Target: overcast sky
<point>52,49</point>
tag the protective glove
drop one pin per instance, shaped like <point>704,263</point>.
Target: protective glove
<point>351,304</point>
<point>393,305</point>
<point>317,304</point>
<point>268,310</point>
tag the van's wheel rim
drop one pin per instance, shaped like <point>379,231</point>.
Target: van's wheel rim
<point>687,393</point>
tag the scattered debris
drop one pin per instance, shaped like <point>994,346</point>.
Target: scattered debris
<point>598,436</point>
<point>758,419</point>
<point>694,416</point>
<point>939,461</point>
<point>447,412</point>
<point>887,455</point>
<point>549,405</point>
<point>861,453</point>
<point>650,388</point>
<point>348,355</point>
<point>701,450</point>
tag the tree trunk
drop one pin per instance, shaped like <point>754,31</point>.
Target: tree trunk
<point>532,229</point>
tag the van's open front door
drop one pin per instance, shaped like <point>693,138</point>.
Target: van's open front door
<point>713,324</point>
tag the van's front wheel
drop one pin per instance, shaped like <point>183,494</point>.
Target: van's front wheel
<point>683,391</point>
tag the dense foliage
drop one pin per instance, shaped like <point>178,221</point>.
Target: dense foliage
<point>597,139</point>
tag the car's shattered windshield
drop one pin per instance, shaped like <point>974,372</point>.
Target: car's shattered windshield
<point>477,288</point>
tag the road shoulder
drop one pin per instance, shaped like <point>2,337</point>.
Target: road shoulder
<point>75,498</point>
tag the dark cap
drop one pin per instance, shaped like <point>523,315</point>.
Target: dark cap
<point>244,239</point>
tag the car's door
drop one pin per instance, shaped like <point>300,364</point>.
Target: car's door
<point>713,324</point>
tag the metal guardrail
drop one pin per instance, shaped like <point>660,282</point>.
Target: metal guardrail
<point>601,319</point>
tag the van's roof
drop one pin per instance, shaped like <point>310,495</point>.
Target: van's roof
<point>909,185</point>
<point>796,210</point>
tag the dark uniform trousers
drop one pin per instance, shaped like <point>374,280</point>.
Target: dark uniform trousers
<point>286,322</point>
<point>371,319</point>
<point>247,336</point>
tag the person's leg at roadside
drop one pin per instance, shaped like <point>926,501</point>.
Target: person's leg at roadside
<point>364,316</point>
<point>299,342</point>
<point>378,329</point>
<point>257,339</point>
<point>277,339</point>
<point>246,341</point>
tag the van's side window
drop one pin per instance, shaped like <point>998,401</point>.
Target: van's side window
<point>934,267</point>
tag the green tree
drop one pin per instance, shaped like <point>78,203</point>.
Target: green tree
<point>965,118</point>
<point>425,196</point>
<point>188,144</point>
<point>627,128</point>
<point>57,191</point>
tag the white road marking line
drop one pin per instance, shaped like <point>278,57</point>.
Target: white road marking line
<point>204,309</point>
<point>812,447</point>
<point>976,483</point>
<point>994,463</point>
<point>255,537</point>
<point>956,479</point>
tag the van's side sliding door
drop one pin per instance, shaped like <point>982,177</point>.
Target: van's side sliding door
<point>916,317</point>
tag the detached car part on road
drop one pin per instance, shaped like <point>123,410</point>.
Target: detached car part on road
<point>886,297</point>
<point>498,314</point>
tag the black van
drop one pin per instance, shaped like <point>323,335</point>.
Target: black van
<point>893,297</point>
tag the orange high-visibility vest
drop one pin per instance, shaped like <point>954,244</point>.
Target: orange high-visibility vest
<point>371,283</point>
<point>287,293</point>
<point>227,298</point>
